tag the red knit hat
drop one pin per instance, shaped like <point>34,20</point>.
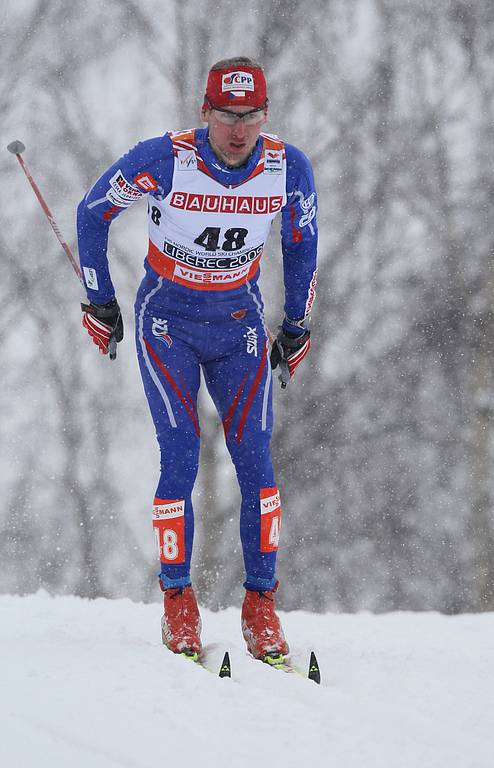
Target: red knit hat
<point>236,86</point>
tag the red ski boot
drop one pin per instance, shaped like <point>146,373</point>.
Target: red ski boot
<point>261,627</point>
<point>181,622</point>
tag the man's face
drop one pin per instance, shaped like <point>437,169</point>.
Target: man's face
<point>233,143</point>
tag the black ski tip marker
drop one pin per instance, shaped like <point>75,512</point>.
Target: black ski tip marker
<point>16,147</point>
<point>225,669</point>
<point>314,671</point>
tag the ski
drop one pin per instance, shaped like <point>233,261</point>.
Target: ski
<point>280,662</point>
<point>225,669</point>
<point>275,661</point>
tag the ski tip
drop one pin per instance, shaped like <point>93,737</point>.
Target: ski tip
<point>225,669</point>
<point>314,671</point>
<point>16,147</point>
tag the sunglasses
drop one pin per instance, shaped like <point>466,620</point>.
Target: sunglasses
<point>227,117</point>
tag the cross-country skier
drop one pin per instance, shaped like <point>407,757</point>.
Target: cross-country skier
<point>213,193</point>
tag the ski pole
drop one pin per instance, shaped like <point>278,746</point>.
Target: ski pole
<point>284,377</point>
<point>17,148</point>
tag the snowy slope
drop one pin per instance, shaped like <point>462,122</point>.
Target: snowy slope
<point>89,685</point>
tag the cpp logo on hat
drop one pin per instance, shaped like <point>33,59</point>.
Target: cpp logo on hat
<point>237,81</point>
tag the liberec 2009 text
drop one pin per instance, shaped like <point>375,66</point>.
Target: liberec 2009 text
<point>212,262</point>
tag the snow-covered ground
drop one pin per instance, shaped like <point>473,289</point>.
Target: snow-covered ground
<point>87,684</point>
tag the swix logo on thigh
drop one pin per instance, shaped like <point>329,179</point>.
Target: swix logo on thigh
<point>270,508</point>
<point>160,330</point>
<point>251,337</point>
<point>169,529</point>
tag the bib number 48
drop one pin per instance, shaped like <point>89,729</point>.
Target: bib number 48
<point>233,238</point>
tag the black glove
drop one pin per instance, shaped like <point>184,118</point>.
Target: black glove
<point>288,350</point>
<point>104,324</point>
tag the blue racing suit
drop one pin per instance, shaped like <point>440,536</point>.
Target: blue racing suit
<point>199,305</point>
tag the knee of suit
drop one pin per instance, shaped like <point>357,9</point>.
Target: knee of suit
<point>250,442</point>
<point>253,464</point>
<point>179,462</point>
<point>248,439</point>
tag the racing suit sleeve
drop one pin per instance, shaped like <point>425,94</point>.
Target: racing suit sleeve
<point>299,235</point>
<point>146,168</point>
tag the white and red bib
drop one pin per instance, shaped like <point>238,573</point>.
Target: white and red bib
<point>210,236</point>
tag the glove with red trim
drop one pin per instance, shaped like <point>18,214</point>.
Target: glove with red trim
<point>104,324</point>
<point>289,348</point>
